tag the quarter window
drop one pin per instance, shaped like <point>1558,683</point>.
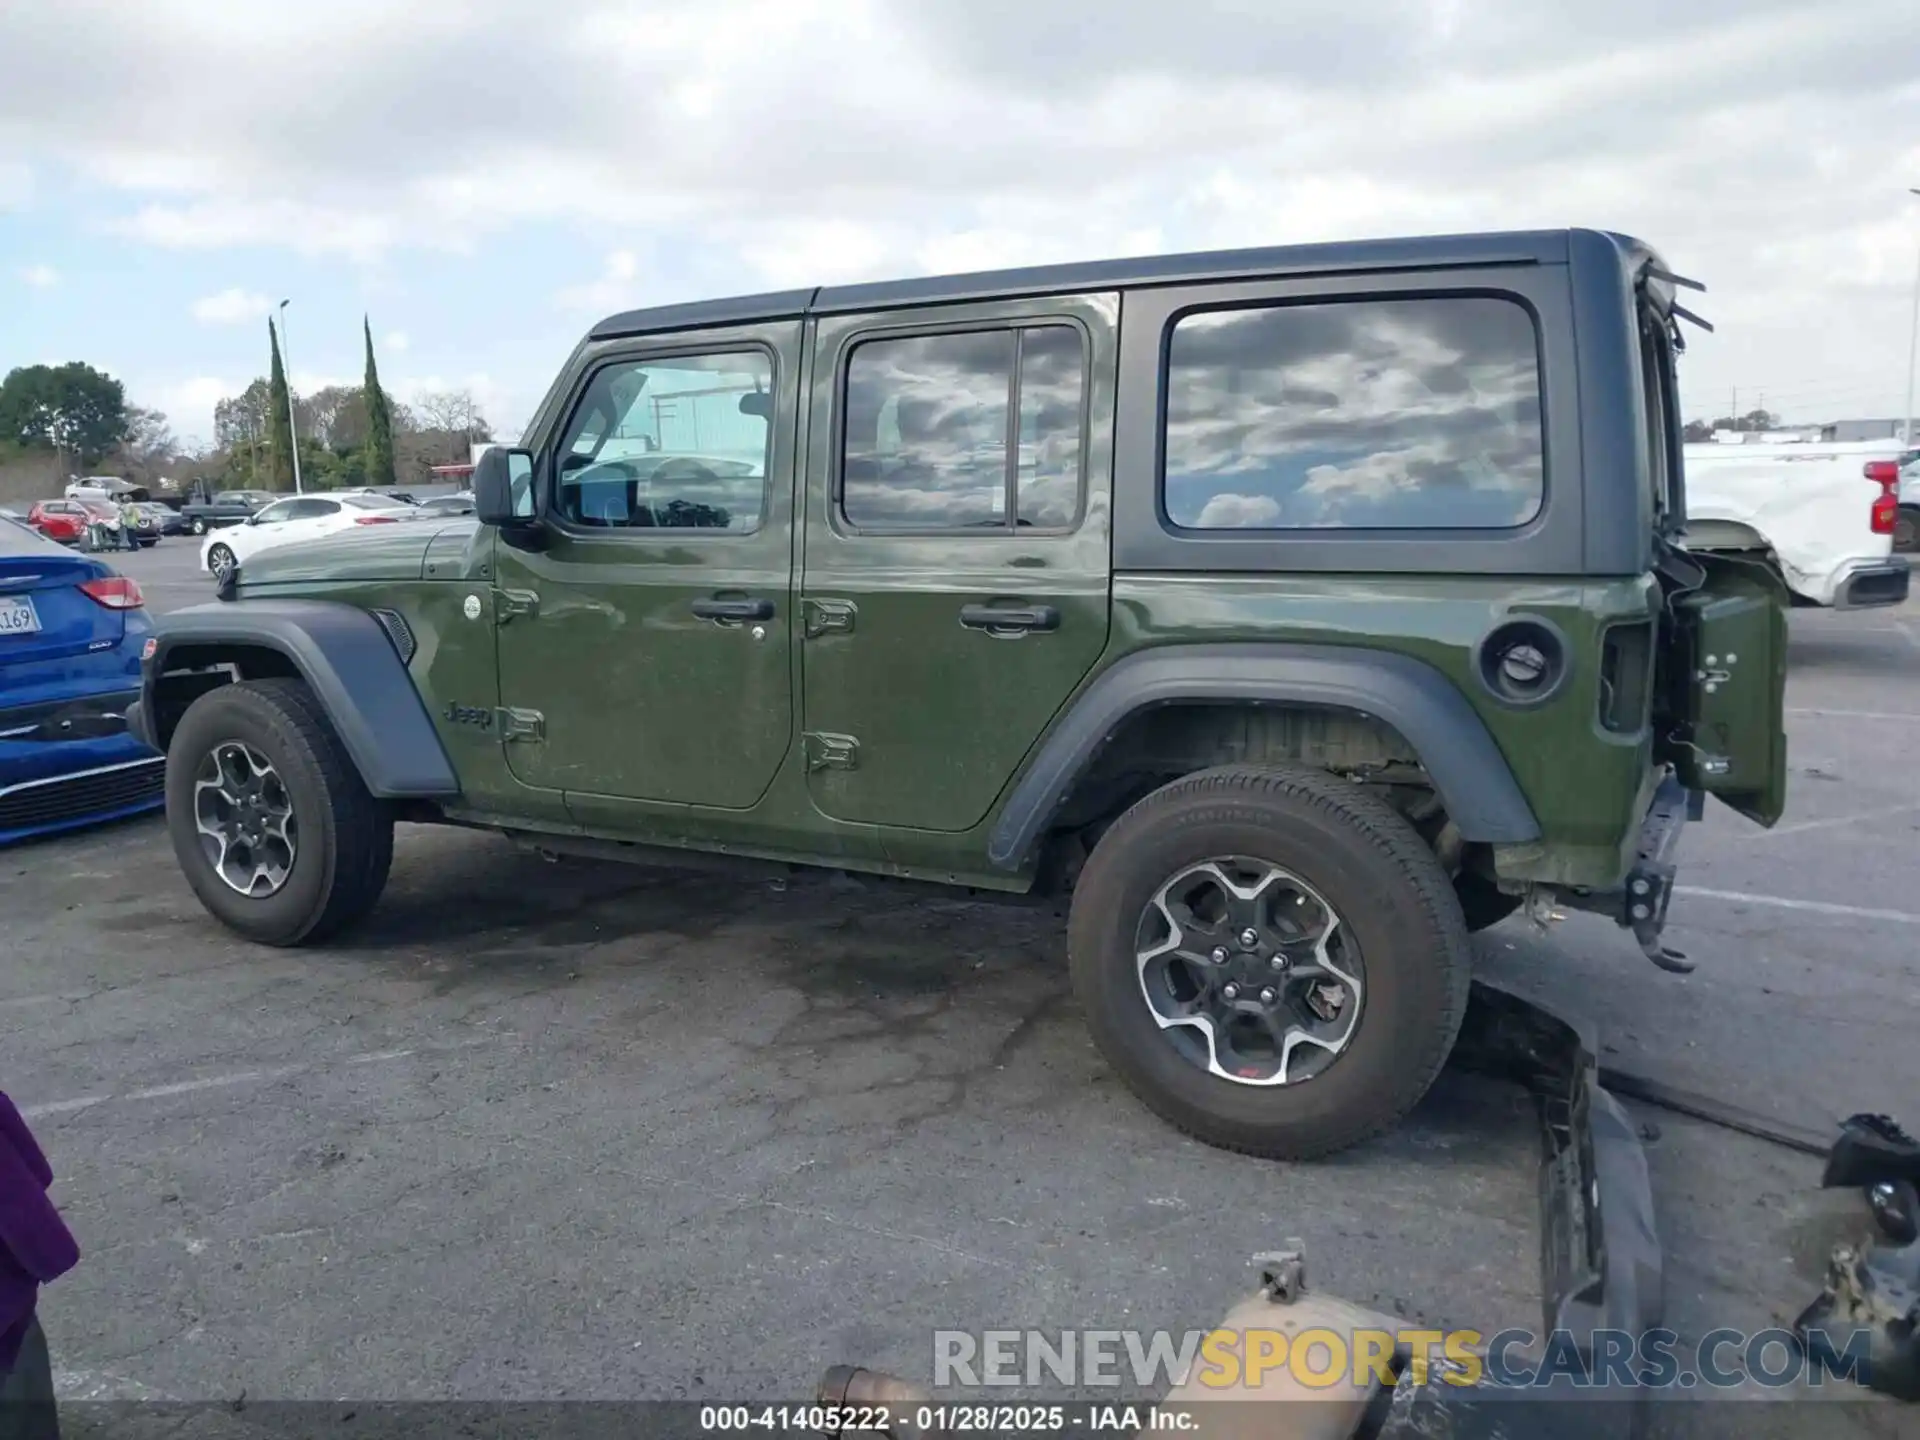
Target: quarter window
<point>673,443</point>
<point>1419,413</point>
<point>965,430</point>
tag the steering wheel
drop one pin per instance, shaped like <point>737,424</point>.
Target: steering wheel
<point>682,467</point>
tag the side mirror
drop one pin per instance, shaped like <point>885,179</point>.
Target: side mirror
<point>503,489</point>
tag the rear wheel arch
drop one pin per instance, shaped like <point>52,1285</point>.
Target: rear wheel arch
<point>1337,708</point>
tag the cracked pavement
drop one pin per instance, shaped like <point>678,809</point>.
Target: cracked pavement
<point>579,1130</point>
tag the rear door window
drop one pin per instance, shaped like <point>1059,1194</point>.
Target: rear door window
<point>965,430</point>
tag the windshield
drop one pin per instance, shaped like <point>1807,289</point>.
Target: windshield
<point>375,502</point>
<point>105,509</point>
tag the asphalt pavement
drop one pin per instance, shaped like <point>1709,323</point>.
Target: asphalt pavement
<point>589,1131</point>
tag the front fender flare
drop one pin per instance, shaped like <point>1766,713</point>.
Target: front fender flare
<point>351,666</point>
<point>1429,712</point>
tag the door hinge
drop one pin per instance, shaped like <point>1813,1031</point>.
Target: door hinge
<point>831,752</point>
<point>825,617</point>
<point>518,724</point>
<point>509,603</point>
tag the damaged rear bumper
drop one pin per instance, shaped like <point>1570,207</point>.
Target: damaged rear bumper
<point>1601,1265</point>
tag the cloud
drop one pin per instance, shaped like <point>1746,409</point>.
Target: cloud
<point>1238,512</point>
<point>188,404</point>
<point>1764,145</point>
<point>396,341</point>
<point>16,181</point>
<point>617,288</point>
<point>231,307</point>
<point>40,277</point>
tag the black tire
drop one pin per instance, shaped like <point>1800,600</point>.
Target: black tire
<point>345,834</point>
<point>1906,530</point>
<point>199,525</point>
<point>213,559</point>
<point>1370,866</point>
<point>1483,903</point>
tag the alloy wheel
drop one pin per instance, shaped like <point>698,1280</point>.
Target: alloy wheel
<point>1249,973</point>
<point>245,819</point>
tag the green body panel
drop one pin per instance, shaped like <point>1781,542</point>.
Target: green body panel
<point>642,699</point>
<point>377,552</point>
<point>453,662</point>
<point>941,715</point>
<point>1734,678</point>
<point>1585,784</point>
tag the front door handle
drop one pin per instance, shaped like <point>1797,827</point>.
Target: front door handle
<point>733,612</point>
<point>1001,618</point>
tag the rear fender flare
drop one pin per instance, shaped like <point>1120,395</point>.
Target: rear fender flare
<point>1472,777</point>
<point>346,659</point>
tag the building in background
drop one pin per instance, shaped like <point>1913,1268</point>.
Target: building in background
<point>1864,430</point>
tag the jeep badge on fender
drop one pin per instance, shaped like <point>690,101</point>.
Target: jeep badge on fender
<point>468,715</point>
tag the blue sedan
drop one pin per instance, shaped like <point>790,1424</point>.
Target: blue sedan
<point>71,631</point>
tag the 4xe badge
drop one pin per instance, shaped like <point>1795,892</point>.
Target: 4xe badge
<point>471,607</point>
<point>474,715</point>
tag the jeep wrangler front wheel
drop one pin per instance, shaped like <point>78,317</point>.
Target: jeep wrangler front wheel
<point>272,824</point>
<point>1273,960</point>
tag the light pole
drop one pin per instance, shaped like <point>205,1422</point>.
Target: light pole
<point>1913,348</point>
<point>293,430</point>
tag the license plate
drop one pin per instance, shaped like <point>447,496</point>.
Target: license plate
<point>17,617</point>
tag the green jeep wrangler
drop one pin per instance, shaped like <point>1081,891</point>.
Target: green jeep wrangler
<point>1294,611</point>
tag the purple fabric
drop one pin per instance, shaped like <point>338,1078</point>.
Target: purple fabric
<point>35,1244</point>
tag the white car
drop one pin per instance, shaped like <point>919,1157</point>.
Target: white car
<point>299,517</point>
<point>102,487</point>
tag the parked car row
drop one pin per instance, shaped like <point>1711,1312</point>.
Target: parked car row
<point>93,523</point>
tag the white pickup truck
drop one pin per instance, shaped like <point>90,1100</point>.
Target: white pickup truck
<point>1824,513</point>
<point>1906,529</point>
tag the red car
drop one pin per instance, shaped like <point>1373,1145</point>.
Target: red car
<point>61,520</point>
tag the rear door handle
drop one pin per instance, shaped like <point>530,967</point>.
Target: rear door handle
<point>733,611</point>
<point>1010,617</point>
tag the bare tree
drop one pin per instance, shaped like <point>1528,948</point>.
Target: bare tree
<point>453,411</point>
<point>149,450</point>
<point>449,421</point>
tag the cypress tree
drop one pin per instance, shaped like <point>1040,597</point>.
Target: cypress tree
<point>279,430</point>
<point>379,421</point>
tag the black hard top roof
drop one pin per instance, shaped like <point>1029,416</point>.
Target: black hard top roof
<point>1518,247</point>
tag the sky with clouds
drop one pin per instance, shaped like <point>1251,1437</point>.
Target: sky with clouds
<point>484,178</point>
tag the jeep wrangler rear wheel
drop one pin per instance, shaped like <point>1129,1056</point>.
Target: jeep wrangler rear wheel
<point>272,825</point>
<point>1273,960</point>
